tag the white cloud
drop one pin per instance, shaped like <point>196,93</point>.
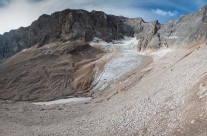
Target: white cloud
<point>164,13</point>
<point>19,13</point>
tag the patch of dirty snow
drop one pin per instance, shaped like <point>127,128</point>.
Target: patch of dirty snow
<point>128,43</point>
<point>123,58</point>
<point>24,50</point>
<point>117,67</point>
<point>172,37</point>
<point>64,101</point>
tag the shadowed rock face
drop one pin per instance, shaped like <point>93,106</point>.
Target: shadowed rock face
<point>68,25</point>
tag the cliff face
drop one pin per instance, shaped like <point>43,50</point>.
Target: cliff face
<point>68,25</point>
<point>188,30</point>
<point>73,25</point>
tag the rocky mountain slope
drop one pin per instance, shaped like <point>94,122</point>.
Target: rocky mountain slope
<point>72,25</point>
<point>74,53</point>
<point>166,97</point>
<point>41,47</point>
<point>39,74</point>
<point>59,70</point>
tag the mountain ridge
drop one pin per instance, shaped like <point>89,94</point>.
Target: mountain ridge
<point>78,24</point>
<point>67,25</point>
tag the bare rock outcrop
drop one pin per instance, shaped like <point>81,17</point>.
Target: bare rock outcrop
<point>67,25</point>
<point>190,29</point>
<point>147,34</point>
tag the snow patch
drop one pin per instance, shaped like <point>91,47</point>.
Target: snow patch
<point>122,59</point>
<point>63,101</point>
<point>172,37</point>
<point>128,43</point>
<point>116,68</point>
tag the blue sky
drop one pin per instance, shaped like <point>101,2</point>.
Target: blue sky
<point>17,13</point>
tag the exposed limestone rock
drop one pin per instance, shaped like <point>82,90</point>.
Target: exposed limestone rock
<point>155,42</point>
<point>187,30</point>
<point>68,25</point>
<point>146,35</point>
<point>73,25</point>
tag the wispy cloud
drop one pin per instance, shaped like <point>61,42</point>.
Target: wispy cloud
<point>164,13</point>
<point>17,13</point>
